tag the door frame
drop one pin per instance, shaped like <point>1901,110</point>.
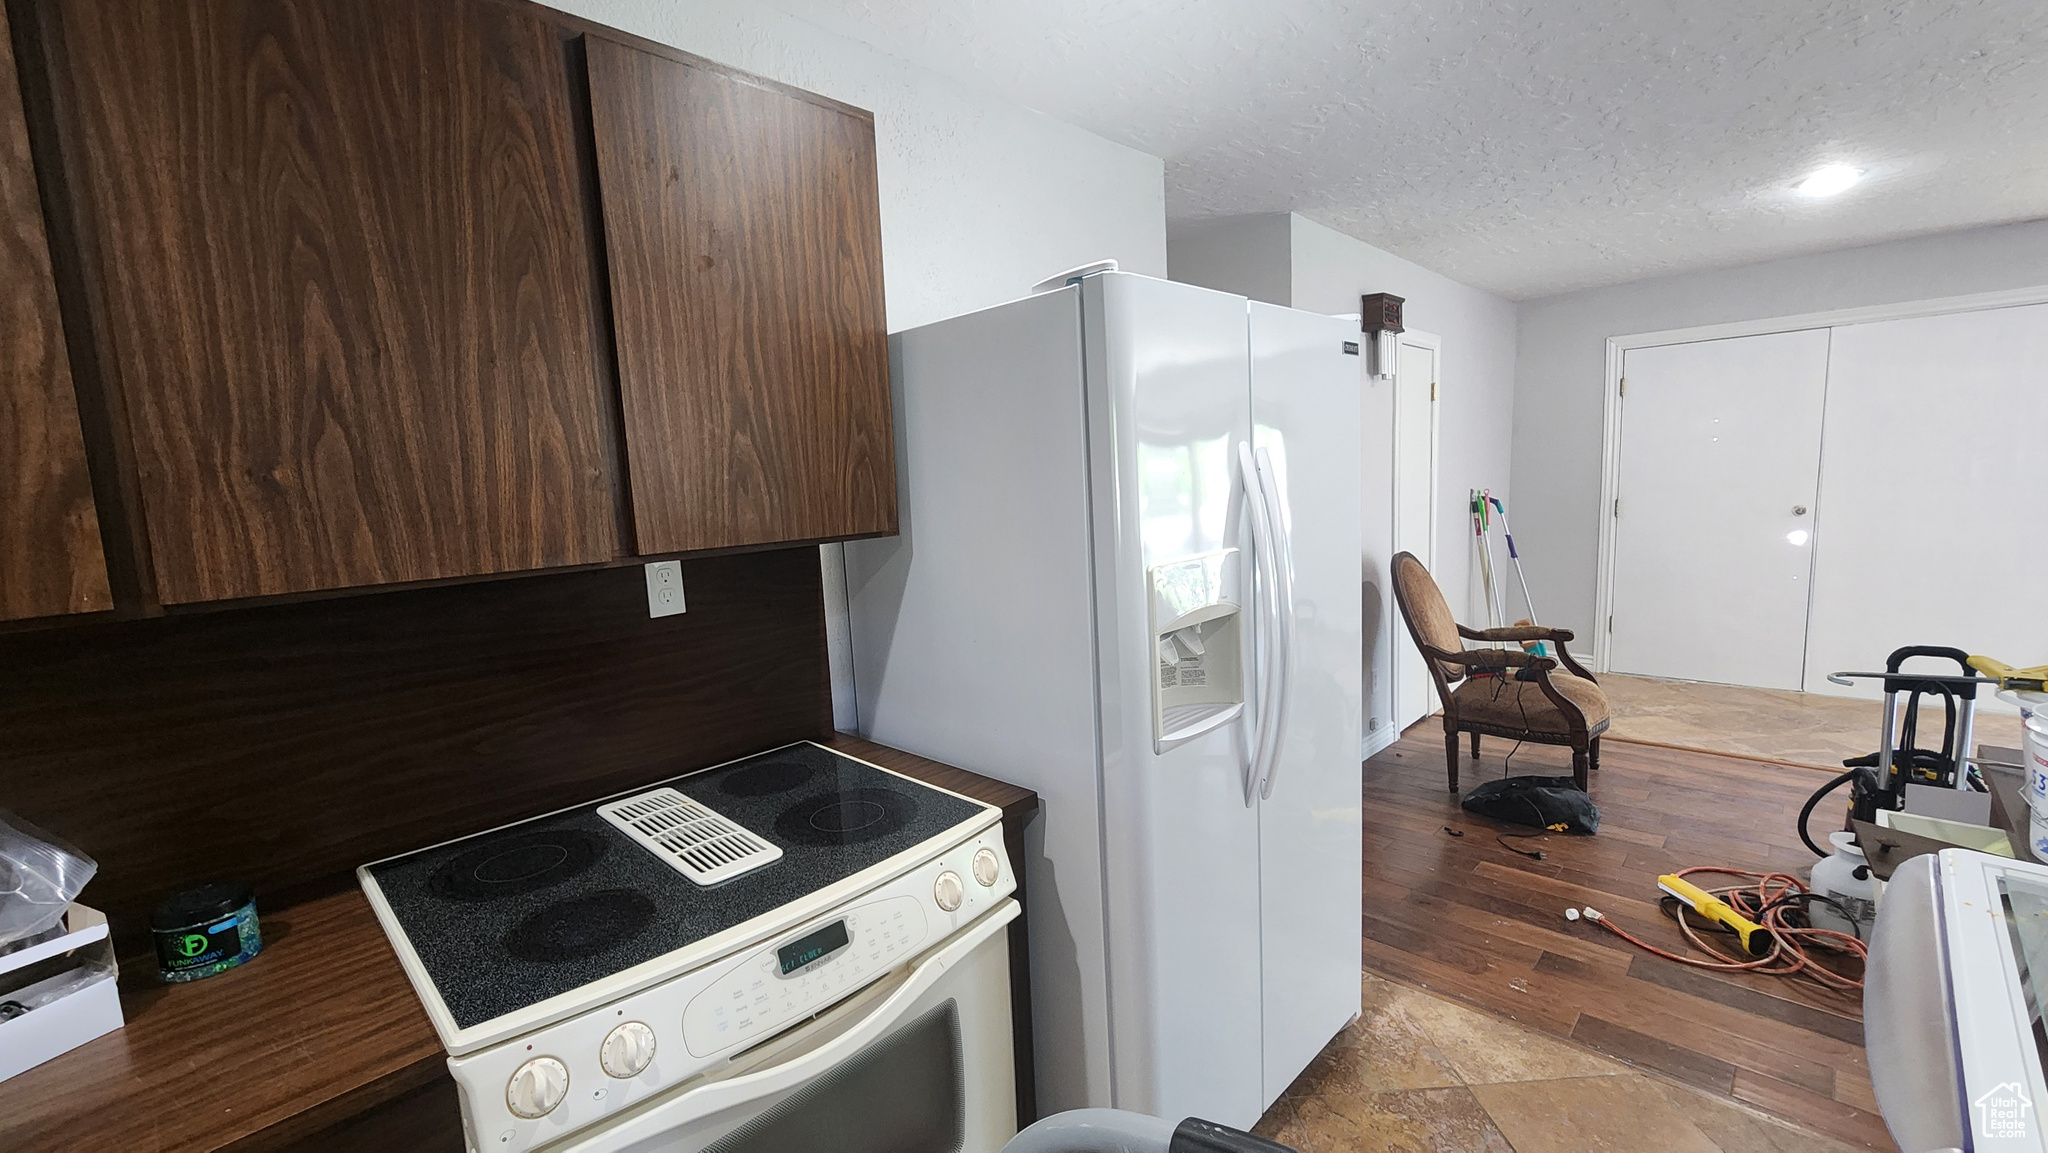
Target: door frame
<point>1392,610</point>
<point>1610,432</point>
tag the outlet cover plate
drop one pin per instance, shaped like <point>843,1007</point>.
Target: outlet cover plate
<point>664,588</point>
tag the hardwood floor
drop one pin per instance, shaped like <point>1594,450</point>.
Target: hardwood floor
<point>1469,918</point>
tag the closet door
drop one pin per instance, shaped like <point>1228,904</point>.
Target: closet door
<point>1932,502</point>
<point>1415,511</point>
<point>1713,532</point>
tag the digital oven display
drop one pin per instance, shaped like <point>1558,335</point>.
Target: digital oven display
<point>812,946</point>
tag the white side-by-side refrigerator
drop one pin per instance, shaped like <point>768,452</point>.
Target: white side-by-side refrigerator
<point>1128,577</point>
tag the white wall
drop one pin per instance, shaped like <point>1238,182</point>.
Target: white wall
<point>980,198</point>
<point>1477,393</point>
<point>1251,256</point>
<point>1324,270</point>
<point>1561,369</point>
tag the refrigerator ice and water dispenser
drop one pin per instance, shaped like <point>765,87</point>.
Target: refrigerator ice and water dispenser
<point>1198,631</point>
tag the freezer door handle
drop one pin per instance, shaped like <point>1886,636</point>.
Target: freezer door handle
<point>1281,543</point>
<point>1265,628</point>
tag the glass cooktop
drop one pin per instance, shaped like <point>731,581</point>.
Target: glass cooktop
<point>512,917</point>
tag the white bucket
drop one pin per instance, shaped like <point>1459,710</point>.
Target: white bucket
<point>2037,833</point>
<point>2036,755</point>
<point>2034,747</point>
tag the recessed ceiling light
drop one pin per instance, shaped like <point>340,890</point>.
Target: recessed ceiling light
<point>1829,180</point>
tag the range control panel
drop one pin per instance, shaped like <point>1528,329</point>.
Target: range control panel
<point>787,983</point>
<point>541,1087</point>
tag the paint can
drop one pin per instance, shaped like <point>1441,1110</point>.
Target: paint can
<point>2036,753</point>
<point>2037,833</point>
<point>2034,745</point>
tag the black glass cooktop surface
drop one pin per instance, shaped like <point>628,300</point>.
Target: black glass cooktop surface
<point>512,917</point>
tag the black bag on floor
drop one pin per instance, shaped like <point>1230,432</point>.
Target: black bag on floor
<point>1553,803</point>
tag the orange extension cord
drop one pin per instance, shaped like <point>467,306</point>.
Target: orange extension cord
<point>1768,903</point>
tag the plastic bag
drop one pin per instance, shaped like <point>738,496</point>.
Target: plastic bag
<point>39,875</point>
<point>1553,803</point>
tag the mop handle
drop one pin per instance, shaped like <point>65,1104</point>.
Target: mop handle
<point>1505,531</point>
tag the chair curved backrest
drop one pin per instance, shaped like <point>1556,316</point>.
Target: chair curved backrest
<point>1428,615</point>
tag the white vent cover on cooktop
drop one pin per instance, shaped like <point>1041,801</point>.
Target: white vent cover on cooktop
<point>702,845</point>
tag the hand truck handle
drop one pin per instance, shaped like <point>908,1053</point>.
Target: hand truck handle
<point>1894,683</point>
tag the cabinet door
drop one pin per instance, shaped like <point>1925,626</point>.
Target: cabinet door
<point>348,285</point>
<point>743,231</point>
<point>50,559</point>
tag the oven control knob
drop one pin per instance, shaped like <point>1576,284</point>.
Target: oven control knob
<point>948,891</point>
<point>626,1050</point>
<point>537,1087</point>
<point>986,867</point>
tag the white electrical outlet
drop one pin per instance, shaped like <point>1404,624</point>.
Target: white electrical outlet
<point>664,588</point>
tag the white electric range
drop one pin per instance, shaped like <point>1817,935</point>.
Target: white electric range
<point>793,950</point>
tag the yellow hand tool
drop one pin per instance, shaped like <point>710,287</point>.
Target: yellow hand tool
<point>1756,940</point>
<point>2030,680</point>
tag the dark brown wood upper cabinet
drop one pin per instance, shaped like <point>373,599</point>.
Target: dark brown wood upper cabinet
<point>345,279</point>
<point>743,233</point>
<point>50,558</point>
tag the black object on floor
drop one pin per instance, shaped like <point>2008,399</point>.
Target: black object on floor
<point>1195,1135</point>
<point>1553,803</point>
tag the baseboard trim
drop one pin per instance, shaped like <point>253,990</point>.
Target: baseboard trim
<point>1379,742</point>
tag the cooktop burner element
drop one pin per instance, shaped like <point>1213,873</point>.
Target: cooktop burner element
<point>848,817</point>
<point>513,917</point>
<point>519,863</point>
<point>580,926</point>
<point>768,779</point>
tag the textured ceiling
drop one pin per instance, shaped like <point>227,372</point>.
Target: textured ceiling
<point>1532,147</point>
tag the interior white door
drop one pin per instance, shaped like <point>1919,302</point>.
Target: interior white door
<point>1713,532</point>
<point>1415,436</point>
<point>1931,505</point>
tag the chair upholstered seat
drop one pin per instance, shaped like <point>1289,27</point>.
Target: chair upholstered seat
<point>1507,703</point>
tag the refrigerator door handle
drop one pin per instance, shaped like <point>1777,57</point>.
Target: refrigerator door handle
<point>1281,543</point>
<point>1265,629</point>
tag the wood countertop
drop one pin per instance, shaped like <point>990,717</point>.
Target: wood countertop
<point>320,1028</point>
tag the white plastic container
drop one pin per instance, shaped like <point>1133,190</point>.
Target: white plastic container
<point>2036,755</point>
<point>68,1008</point>
<point>1836,877</point>
<point>2033,709</point>
<point>2037,833</point>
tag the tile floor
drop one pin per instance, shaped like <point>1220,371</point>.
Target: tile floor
<point>1765,724</point>
<point>1421,1074</point>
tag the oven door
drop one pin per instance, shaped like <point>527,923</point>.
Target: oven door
<point>919,1062</point>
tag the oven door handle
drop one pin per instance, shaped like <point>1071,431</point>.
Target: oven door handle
<point>719,1096</point>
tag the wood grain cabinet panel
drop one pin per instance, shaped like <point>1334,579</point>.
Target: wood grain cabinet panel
<point>50,558</point>
<point>743,234</point>
<point>345,266</point>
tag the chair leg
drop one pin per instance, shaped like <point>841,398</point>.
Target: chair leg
<point>1593,754</point>
<point>1475,746</point>
<point>1451,755</point>
<point>1581,761</point>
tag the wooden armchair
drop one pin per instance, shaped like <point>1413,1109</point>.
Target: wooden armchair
<point>1506,692</point>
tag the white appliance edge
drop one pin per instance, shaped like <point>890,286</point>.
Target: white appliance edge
<point>459,1041</point>
<point>996,632</point>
